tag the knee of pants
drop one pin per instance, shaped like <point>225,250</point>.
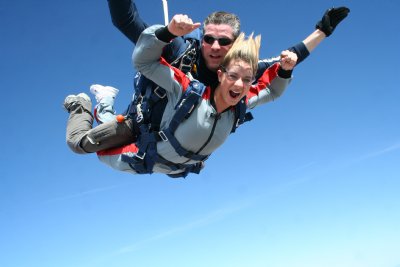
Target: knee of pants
<point>76,147</point>
<point>108,135</point>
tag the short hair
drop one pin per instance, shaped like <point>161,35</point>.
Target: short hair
<point>222,17</point>
<point>244,49</point>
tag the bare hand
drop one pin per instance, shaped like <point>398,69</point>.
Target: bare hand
<point>181,24</point>
<point>288,60</point>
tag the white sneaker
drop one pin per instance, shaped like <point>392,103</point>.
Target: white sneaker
<point>78,99</point>
<point>100,91</point>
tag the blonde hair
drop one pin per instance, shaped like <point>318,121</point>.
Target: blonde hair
<point>244,49</point>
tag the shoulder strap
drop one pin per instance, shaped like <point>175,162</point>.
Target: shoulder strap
<point>148,94</point>
<point>187,103</point>
<point>241,116</point>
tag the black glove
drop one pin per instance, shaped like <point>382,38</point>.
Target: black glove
<point>331,19</point>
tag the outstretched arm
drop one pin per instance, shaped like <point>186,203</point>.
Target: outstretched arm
<point>314,39</point>
<point>331,18</point>
<point>273,81</point>
<point>324,28</point>
<point>125,17</point>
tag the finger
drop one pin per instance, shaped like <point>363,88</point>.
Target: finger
<point>343,9</point>
<point>284,53</point>
<point>176,19</point>
<point>196,25</point>
<point>340,12</point>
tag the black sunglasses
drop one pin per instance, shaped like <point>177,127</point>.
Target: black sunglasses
<point>223,41</point>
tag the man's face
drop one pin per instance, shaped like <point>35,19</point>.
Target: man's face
<point>214,52</point>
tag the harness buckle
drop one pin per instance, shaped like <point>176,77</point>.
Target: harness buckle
<point>140,155</point>
<point>196,86</point>
<point>139,118</point>
<point>138,98</point>
<point>160,92</point>
<point>163,136</point>
<point>191,109</point>
<point>187,60</point>
<point>238,123</point>
<point>139,113</point>
<point>181,104</point>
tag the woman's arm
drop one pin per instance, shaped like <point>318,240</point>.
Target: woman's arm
<point>273,82</point>
<point>324,28</point>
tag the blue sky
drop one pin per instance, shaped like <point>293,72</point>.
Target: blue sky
<point>312,181</point>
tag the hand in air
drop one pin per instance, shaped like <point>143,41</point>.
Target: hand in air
<point>181,24</point>
<point>288,60</point>
<point>331,18</point>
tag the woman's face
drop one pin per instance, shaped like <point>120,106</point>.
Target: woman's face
<point>235,81</point>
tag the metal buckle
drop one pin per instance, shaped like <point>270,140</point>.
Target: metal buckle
<point>191,109</point>
<point>163,136</point>
<point>186,64</point>
<point>138,98</point>
<point>237,123</point>
<point>195,85</point>
<point>140,156</point>
<point>187,60</point>
<point>139,118</point>
<point>158,92</point>
<point>181,103</point>
<point>139,113</point>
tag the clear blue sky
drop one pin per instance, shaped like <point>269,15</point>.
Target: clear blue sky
<point>313,181</point>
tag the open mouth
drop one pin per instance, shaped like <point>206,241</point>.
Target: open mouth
<point>215,56</point>
<point>234,94</point>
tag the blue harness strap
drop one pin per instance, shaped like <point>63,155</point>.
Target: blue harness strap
<point>241,116</point>
<point>184,108</point>
<point>147,109</point>
<point>146,157</point>
<point>143,161</point>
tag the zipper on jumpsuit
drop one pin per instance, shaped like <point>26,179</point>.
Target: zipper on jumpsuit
<point>217,117</point>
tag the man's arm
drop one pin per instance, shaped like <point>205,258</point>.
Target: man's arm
<point>314,39</point>
<point>324,28</point>
<point>125,16</point>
